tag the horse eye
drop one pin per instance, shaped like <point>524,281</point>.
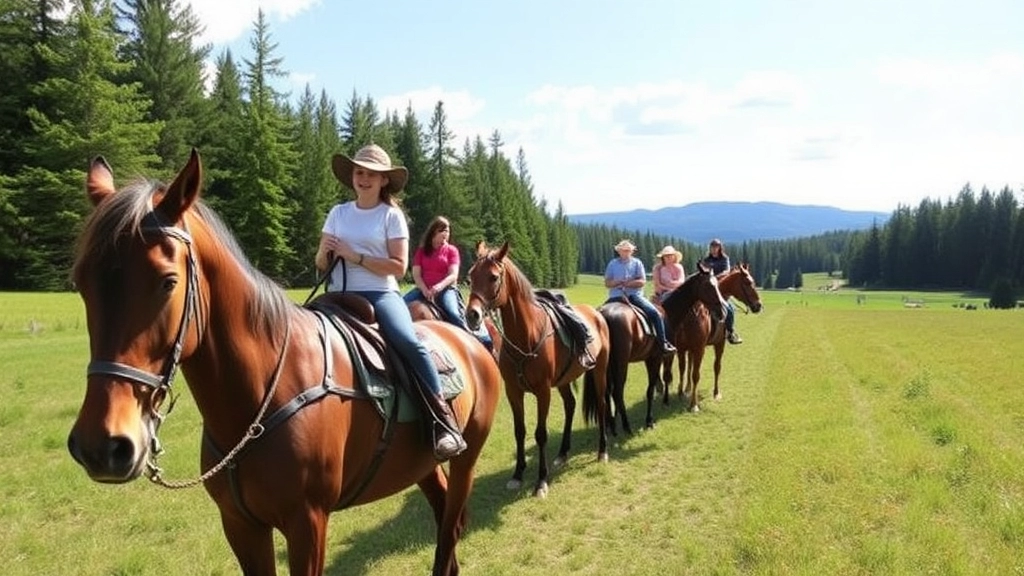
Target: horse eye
<point>170,282</point>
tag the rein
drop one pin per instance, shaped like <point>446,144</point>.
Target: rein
<point>161,383</point>
<point>506,341</point>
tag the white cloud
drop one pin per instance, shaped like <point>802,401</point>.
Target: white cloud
<point>224,21</point>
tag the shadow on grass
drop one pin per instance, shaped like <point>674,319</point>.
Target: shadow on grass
<point>413,527</point>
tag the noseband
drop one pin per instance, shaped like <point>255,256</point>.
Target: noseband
<point>489,302</point>
<point>159,383</point>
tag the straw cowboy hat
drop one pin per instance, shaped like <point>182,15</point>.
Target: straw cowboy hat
<point>371,157</point>
<point>625,245</point>
<point>669,251</point>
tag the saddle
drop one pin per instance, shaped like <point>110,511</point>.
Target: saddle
<point>571,329</point>
<point>379,371</point>
<point>645,323</point>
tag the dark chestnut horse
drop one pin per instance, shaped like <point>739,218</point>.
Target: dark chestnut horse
<point>421,310</point>
<point>693,332</point>
<point>287,438</point>
<point>535,359</point>
<point>631,343</point>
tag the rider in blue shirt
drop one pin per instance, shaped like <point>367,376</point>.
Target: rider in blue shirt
<point>625,277</point>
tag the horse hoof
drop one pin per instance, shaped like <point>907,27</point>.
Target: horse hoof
<point>649,426</point>
<point>558,462</point>
<point>602,457</point>
<point>718,396</point>
<point>514,484</point>
<point>542,490</point>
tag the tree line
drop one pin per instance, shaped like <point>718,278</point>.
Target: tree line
<point>970,242</point>
<point>125,80</point>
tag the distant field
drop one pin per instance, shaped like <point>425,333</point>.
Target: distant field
<point>853,438</point>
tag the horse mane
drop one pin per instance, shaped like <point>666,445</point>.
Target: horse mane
<point>120,215</point>
<point>685,291</point>
<point>518,282</point>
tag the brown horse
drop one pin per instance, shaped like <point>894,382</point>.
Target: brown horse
<point>422,310</point>
<point>631,343</point>
<point>535,359</point>
<point>286,437</point>
<point>695,331</point>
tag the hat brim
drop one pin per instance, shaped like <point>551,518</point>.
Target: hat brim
<point>343,166</point>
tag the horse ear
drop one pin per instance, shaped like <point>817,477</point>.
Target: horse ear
<point>502,251</point>
<point>99,182</point>
<point>703,268</point>
<point>184,190</point>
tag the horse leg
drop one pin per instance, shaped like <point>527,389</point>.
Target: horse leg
<point>653,363</point>
<point>719,349</point>
<point>305,534</point>
<point>695,363</point>
<point>515,400</point>
<point>448,501</point>
<point>601,383</point>
<point>666,376</point>
<point>618,394</point>
<point>253,545</point>
<point>569,406</point>
<point>540,436</point>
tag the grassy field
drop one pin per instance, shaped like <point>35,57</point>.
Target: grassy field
<point>855,436</point>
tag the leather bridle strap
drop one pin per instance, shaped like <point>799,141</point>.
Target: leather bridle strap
<point>162,381</point>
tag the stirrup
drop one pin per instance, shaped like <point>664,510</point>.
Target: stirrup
<point>448,444</point>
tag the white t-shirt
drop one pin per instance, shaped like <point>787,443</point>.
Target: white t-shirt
<point>367,231</point>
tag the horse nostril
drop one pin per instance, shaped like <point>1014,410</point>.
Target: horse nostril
<point>121,452</point>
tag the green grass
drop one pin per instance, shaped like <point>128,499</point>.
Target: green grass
<point>851,439</point>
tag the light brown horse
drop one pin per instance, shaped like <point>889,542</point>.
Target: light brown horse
<point>631,343</point>
<point>421,310</point>
<point>693,332</point>
<point>535,359</point>
<point>287,437</point>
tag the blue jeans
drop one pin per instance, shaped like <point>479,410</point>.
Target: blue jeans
<point>447,300</point>
<point>730,316</point>
<point>396,325</point>
<point>652,314</point>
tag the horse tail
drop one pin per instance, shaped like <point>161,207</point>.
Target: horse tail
<point>589,397</point>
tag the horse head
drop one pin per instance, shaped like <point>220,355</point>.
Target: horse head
<point>701,286</point>
<point>136,273</point>
<point>739,283</point>
<point>487,285</point>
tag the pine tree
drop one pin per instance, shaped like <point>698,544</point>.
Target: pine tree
<point>260,212</point>
<point>162,37</point>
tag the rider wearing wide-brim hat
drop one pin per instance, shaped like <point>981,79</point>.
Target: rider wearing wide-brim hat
<point>625,278</point>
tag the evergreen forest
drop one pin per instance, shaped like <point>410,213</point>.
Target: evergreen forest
<point>126,80</point>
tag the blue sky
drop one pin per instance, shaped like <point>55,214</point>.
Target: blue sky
<point>623,104</point>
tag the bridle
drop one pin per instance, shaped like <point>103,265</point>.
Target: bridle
<point>160,383</point>
<point>745,295</point>
<point>490,309</point>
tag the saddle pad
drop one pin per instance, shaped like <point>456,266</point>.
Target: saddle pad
<point>452,382</point>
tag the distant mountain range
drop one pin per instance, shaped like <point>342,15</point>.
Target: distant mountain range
<point>736,221</point>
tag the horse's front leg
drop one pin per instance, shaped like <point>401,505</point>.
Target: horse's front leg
<point>515,401</point>
<point>253,545</point>
<point>569,404</point>
<point>719,349</point>
<point>540,435</point>
<point>306,537</point>
<point>694,370</point>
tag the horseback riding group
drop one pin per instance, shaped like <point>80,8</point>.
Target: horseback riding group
<point>359,392</point>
